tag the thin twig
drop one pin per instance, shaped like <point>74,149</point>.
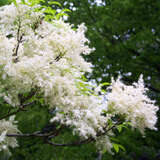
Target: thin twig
<point>18,43</point>
<point>56,133</point>
<point>36,134</point>
<point>19,40</point>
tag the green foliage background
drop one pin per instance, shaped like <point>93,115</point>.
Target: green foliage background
<point>4,2</point>
<point>126,35</point>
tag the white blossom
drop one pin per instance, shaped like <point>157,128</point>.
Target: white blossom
<point>133,103</point>
<point>8,127</point>
<point>104,144</point>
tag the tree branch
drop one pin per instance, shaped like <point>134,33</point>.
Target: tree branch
<point>19,40</point>
<point>36,134</point>
<point>47,136</point>
<point>21,108</point>
<point>77,143</point>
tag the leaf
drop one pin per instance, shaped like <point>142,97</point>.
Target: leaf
<point>119,128</point>
<point>120,146</point>
<point>58,127</point>
<point>83,78</point>
<point>23,1</point>
<point>54,3</point>
<point>109,123</point>
<point>104,84</point>
<point>128,123</point>
<point>66,10</point>
<point>114,139</point>
<point>41,100</point>
<point>50,11</point>
<point>116,147</point>
<point>104,150</point>
<point>15,3</point>
<point>102,90</point>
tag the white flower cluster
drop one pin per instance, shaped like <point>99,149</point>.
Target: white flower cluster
<point>133,103</point>
<point>8,127</point>
<point>49,58</point>
<point>103,144</point>
<point>45,57</point>
<point>38,54</point>
<point>84,113</point>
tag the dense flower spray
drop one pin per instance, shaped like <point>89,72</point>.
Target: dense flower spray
<point>44,58</point>
<point>133,103</point>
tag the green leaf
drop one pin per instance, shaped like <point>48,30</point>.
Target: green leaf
<point>104,84</point>
<point>104,150</point>
<point>23,1</point>
<point>109,123</point>
<point>116,147</point>
<point>54,3</point>
<point>120,146</point>
<point>58,127</point>
<point>15,3</point>
<point>41,100</point>
<point>119,128</point>
<point>114,139</point>
<point>66,10</point>
<point>50,11</point>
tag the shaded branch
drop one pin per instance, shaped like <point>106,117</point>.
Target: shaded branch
<point>32,93</point>
<point>36,134</point>
<point>56,133</point>
<point>48,136</point>
<point>21,108</point>
<point>18,43</point>
<point>77,143</point>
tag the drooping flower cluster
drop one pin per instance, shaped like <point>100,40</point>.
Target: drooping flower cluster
<point>133,103</point>
<point>35,54</point>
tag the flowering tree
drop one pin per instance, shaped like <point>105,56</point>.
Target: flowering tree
<point>40,61</point>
